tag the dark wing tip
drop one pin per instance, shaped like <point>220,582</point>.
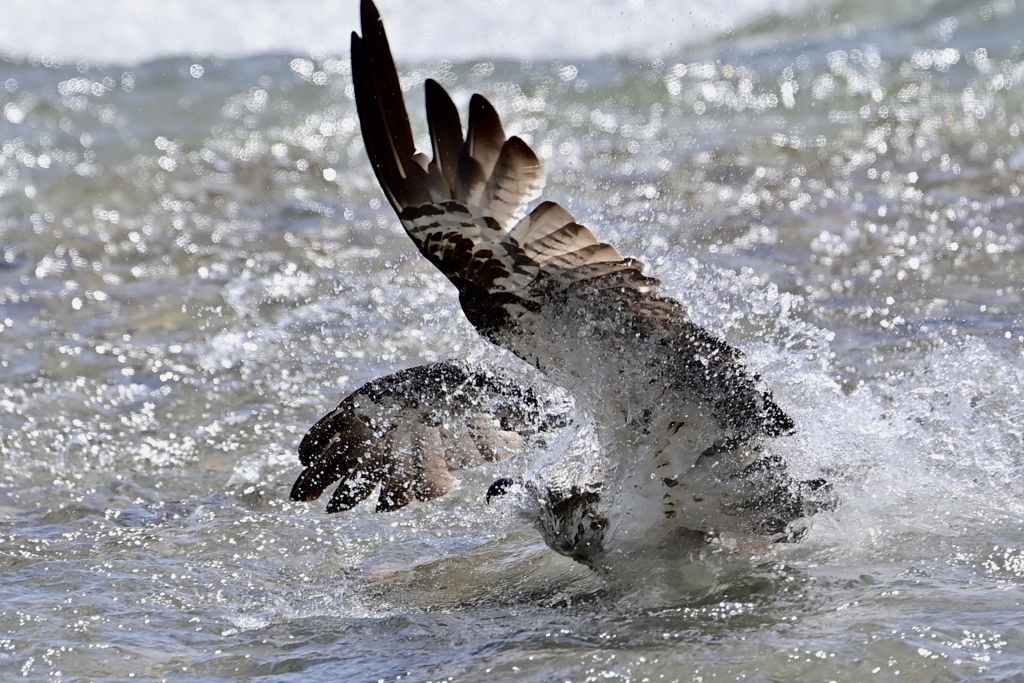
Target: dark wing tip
<point>445,131</point>
<point>309,486</point>
<point>484,122</point>
<point>383,119</point>
<point>368,14</point>
<point>352,492</point>
<point>336,448</point>
<point>479,103</point>
<point>324,439</point>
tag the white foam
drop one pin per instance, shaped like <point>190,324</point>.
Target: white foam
<point>130,31</point>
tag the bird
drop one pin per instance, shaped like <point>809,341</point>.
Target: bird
<point>675,423</point>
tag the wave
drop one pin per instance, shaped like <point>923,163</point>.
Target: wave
<point>127,32</point>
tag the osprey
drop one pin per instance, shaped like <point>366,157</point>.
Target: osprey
<point>675,417</point>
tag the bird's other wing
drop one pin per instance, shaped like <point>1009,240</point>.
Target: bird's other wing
<point>406,432</point>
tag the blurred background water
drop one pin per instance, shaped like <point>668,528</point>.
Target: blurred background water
<point>195,264</point>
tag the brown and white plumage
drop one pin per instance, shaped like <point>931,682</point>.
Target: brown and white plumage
<point>677,416</point>
<point>407,431</point>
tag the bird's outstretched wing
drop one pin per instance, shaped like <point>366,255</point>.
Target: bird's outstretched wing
<point>466,209</point>
<point>408,431</point>
<point>518,272</point>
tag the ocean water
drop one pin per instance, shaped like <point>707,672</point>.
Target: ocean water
<point>196,264</point>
